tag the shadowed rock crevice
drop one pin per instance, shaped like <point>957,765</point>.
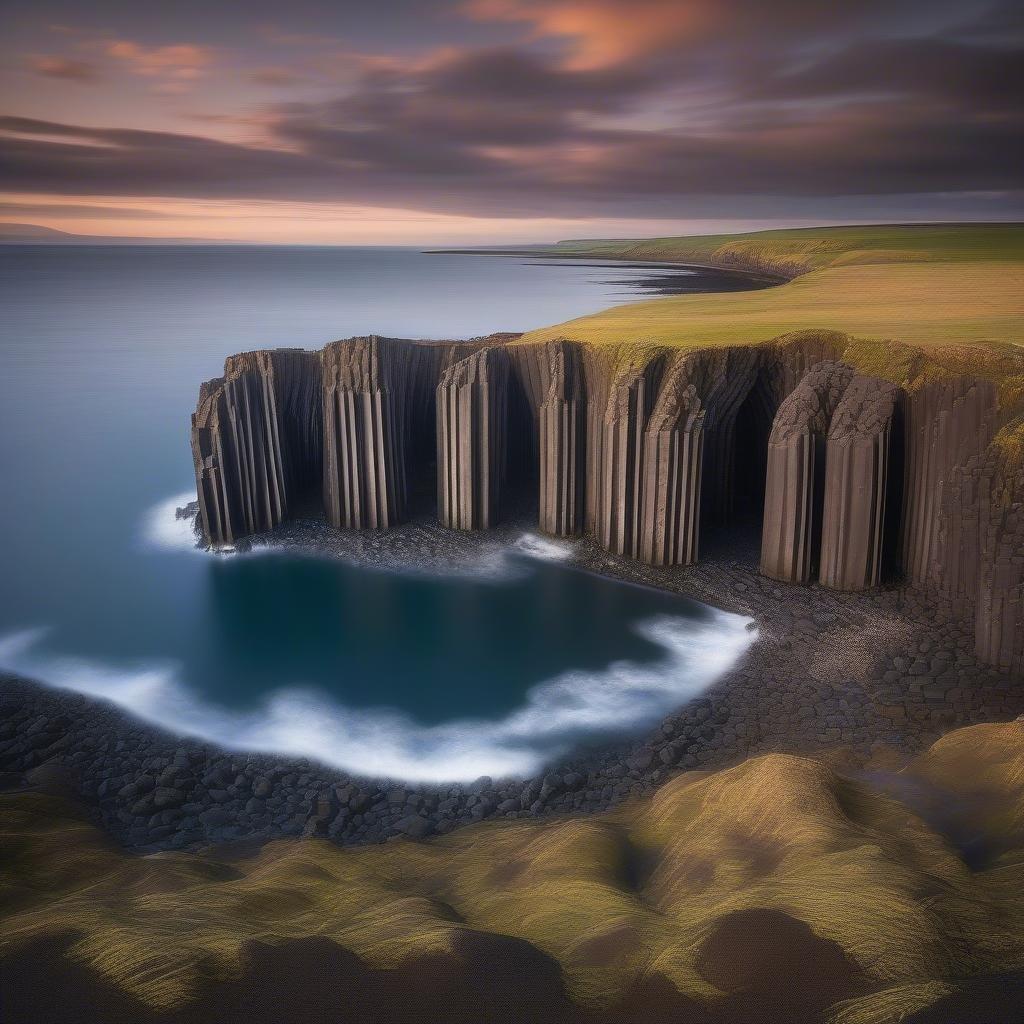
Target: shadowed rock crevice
<point>550,381</point>
<point>749,462</point>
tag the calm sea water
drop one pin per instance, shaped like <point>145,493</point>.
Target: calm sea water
<point>489,671</point>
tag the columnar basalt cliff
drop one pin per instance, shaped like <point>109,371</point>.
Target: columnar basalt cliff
<point>552,380</point>
<point>672,458</point>
<point>949,422</point>
<point>831,476</point>
<point>791,538</point>
<point>997,486</point>
<point>472,399</point>
<point>619,441</point>
<point>255,438</point>
<point>689,448</point>
<point>855,478</point>
<point>364,403</point>
<point>860,478</point>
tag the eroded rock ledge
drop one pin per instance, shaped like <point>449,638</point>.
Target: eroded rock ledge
<point>854,478</point>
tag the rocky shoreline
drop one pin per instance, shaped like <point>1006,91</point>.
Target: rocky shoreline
<point>870,678</point>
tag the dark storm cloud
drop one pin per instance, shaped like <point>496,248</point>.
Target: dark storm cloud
<point>972,77</point>
<point>601,107</point>
<point>506,76</point>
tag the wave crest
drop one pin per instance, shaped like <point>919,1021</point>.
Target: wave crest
<point>557,714</point>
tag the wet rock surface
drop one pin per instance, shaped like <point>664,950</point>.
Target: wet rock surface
<point>871,677</point>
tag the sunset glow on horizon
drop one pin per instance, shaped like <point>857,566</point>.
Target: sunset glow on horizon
<point>505,120</point>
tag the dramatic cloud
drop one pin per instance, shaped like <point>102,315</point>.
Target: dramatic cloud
<point>603,33</point>
<point>562,107</point>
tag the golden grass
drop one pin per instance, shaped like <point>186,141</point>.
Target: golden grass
<point>615,900</point>
<point>912,303</point>
<point>922,304</point>
<point>793,251</point>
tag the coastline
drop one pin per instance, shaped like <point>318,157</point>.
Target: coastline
<point>868,680</point>
<point>765,278</point>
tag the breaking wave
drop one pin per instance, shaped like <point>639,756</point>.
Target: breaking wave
<point>162,528</point>
<point>556,715</point>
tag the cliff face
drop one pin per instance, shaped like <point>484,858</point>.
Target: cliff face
<point>791,538</point>
<point>861,476</point>
<point>255,438</point>
<point>998,488</point>
<point>852,477</point>
<point>472,400</point>
<point>830,480</point>
<point>364,434</point>
<point>551,377</point>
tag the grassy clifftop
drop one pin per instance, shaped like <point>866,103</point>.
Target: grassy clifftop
<point>920,284</point>
<point>776,887</point>
<point>793,251</point>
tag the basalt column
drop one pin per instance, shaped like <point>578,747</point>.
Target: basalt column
<point>254,440</point>
<point>999,615</point>
<point>561,419</point>
<point>619,457</point>
<point>795,479</point>
<point>857,485</point>
<point>471,411</point>
<point>672,457</point>
<point>364,388</point>
<point>974,550</point>
<point>689,447</point>
<point>948,422</point>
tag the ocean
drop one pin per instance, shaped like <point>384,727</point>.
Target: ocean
<point>491,670</point>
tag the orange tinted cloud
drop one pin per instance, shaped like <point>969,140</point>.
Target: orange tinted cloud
<point>181,61</point>
<point>601,33</point>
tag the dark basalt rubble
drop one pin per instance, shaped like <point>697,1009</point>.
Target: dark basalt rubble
<point>873,678</point>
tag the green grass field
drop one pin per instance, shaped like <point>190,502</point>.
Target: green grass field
<point>925,285</point>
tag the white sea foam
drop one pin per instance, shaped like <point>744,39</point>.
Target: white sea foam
<point>533,545</point>
<point>490,562</point>
<point>163,529</point>
<point>382,742</point>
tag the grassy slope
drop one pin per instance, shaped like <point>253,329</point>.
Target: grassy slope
<point>920,284</point>
<point>637,897</point>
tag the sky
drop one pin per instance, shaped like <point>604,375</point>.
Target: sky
<point>505,121</point>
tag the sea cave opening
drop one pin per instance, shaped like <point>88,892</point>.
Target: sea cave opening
<point>521,490</point>
<point>733,488</point>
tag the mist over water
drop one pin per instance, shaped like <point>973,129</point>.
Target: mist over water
<point>492,668</point>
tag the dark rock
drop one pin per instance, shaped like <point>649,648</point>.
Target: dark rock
<point>415,826</point>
